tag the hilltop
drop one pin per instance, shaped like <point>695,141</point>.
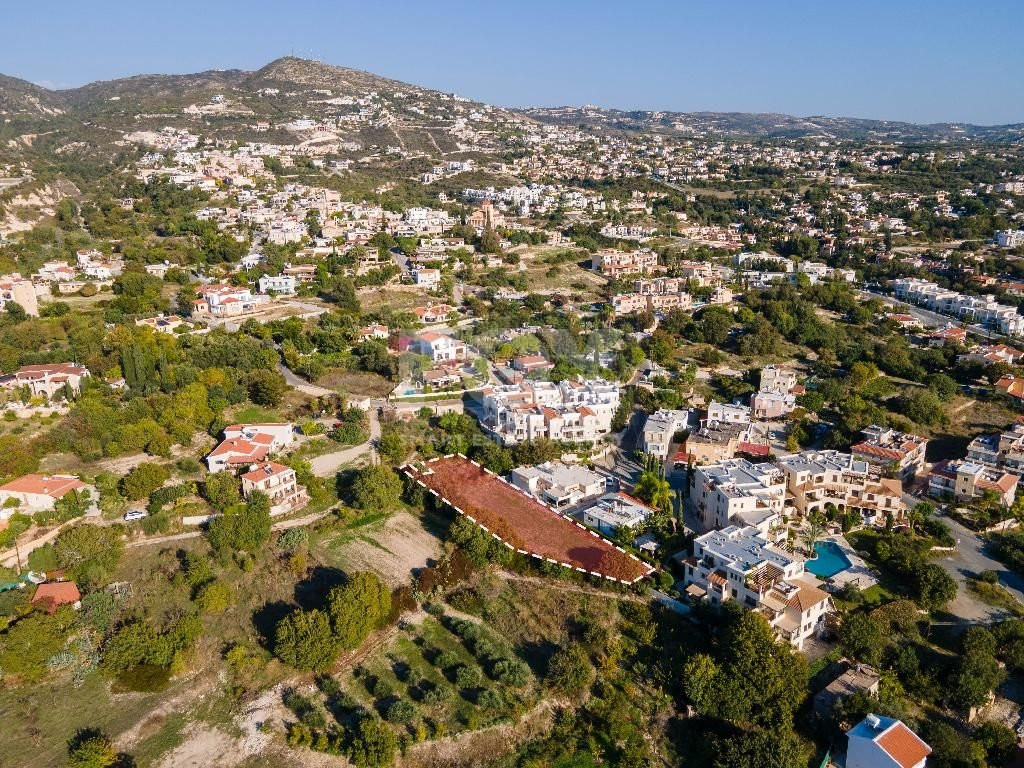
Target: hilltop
<point>282,88</point>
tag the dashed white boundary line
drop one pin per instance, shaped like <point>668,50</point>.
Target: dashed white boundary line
<point>410,471</point>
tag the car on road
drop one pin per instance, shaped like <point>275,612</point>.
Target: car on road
<point>135,514</point>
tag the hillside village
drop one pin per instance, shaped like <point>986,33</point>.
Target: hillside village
<point>349,421</point>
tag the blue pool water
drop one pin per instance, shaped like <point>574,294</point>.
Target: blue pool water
<point>829,562</point>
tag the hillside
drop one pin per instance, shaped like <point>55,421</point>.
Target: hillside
<point>292,87</point>
<point>772,125</point>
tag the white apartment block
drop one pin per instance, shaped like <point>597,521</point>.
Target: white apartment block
<point>740,564</point>
<point>980,310</point>
<point>738,492</point>
<point>574,411</point>
<point>817,272</point>
<point>558,485</point>
<point>817,478</point>
<point>1011,238</point>
<point>727,413</point>
<point>1002,451</point>
<point>659,429</point>
<point>277,284</point>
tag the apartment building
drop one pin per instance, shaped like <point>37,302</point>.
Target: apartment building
<point>728,413</point>
<point>738,492</point>
<point>278,483</point>
<point>896,454</point>
<point>659,429</point>
<point>575,411</point>
<point>738,563</point>
<point>817,478</point>
<point>980,310</point>
<point>713,443</point>
<point>612,263</point>
<point>966,480</point>
<point>221,300</point>
<point>558,485</point>
<point>1001,451</point>
<point>47,378</point>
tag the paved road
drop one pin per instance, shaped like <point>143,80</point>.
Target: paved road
<point>933,319</point>
<point>971,558</point>
<point>297,382</point>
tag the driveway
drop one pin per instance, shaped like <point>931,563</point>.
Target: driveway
<point>971,558</point>
<point>328,464</point>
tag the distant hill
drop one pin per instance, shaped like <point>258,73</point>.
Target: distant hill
<point>772,125</point>
<point>282,89</point>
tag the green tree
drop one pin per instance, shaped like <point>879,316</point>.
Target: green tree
<point>358,607</point>
<point>89,553</point>
<point>29,643</point>
<point>304,640</point>
<point>221,490</point>
<point>861,637</point>
<point>373,745</point>
<point>141,481</point>
<point>655,490</point>
<point>570,671</point>
<point>244,527</point>
<point>266,387</point>
<point>91,748</point>
<point>377,488</point>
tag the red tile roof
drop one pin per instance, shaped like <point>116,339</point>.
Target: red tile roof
<point>903,745</point>
<point>56,486</point>
<point>56,593</point>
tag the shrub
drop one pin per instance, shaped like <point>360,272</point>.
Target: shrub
<point>214,597</point>
<point>401,712</point>
<point>490,699</point>
<point>468,677</point>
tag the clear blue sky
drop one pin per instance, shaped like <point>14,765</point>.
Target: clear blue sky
<point>917,60</point>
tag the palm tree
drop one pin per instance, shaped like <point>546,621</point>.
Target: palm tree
<point>816,522</point>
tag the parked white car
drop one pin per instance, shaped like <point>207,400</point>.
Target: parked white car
<point>135,514</point>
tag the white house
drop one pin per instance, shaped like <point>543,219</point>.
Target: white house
<point>35,493</point>
<point>249,443</point>
<point>428,278</point>
<point>614,511</point>
<point>882,742</point>
<point>739,564</point>
<point>440,348</point>
<point>558,484</point>
<point>738,491</point>
<point>279,483</point>
<point>284,284</point>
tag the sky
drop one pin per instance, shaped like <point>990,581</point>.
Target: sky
<point>914,60</point>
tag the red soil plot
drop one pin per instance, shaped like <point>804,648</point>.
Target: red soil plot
<point>523,522</point>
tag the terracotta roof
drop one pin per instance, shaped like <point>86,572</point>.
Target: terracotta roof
<point>877,450</point>
<point>245,448</point>
<point>903,745</point>
<point>264,470</point>
<point>56,593</point>
<point>55,486</point>
<point>807,597</point>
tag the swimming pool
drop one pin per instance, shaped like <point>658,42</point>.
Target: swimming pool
<point>829,562</point>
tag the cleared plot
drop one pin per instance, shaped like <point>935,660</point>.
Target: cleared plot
<point>392,547</point>
<point>522,522</point>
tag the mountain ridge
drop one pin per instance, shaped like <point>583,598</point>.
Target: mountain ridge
<point>21,97</point>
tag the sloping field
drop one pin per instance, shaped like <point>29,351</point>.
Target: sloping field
<point>522,522</point>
